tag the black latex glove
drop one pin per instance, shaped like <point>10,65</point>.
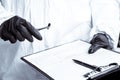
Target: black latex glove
<point>17,28</point>
<point>99,41</point>
<point>118,42</point>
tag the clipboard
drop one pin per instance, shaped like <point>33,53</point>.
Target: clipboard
<point>56,63</point>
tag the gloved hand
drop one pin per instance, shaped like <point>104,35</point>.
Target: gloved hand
<point>100,41</point>
<point>17,28</point>
<point>118,42</point>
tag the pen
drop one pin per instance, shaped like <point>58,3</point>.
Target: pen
<point>87,65</point>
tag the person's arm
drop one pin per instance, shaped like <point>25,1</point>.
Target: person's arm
<point>4,14</point>
<point>105,16</point>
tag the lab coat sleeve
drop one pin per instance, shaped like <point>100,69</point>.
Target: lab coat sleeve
<point>105,16</point>
<point>4,14</point>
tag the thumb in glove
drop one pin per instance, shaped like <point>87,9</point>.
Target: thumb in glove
<point>100,40</point>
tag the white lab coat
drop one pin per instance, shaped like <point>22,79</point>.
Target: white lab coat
<point>66,18</point>
<point>70,20</point>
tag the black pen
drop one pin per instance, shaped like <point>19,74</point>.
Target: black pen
<point>87,65</point>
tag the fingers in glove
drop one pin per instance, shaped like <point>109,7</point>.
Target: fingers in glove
<point>25,33</point>
<point>33,31</point>
<point>4,38</point>
<point>94,48</point>
<point>8,36</point>
<point>17,34</point>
